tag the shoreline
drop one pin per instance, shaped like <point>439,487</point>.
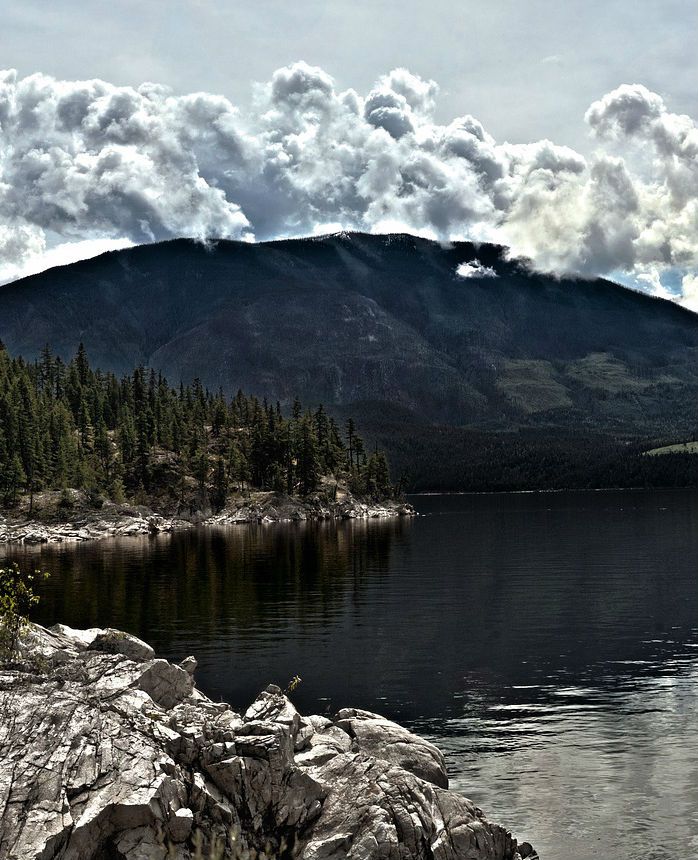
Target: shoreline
<point>261,508</point>
<point>258,508</point>
<point>557,490</point>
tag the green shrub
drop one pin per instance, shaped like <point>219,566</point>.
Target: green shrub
<point>293,684</point>
<point>17,596</point>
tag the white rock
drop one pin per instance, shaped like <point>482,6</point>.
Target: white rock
<point>108,755</point>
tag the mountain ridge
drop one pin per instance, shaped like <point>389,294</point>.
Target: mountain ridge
<point>382,321</point>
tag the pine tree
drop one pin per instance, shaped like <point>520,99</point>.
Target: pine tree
<point>351,429</point>
<point>219,491</point>
<point>14,479</point>
<point>308,458</point>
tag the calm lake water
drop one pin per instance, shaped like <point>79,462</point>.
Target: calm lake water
<point>547,642</point>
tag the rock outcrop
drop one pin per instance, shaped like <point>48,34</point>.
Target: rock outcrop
<point>113,520</point>
<point>108,752</point>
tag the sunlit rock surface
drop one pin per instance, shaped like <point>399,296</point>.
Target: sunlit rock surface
<point>106,751</point>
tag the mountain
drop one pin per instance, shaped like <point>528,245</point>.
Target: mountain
<point>382,325</point>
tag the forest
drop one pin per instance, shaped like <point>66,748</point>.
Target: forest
<point>450,459</point>
<point>137,438</point>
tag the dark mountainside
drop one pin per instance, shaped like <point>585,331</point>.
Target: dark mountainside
<point>447,373</point>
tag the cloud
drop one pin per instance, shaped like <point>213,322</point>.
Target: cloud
<point>58,255</point>
<point>651,282</point>
<point>690,292</point>
<point>20,243</point>
<point>87,161</point>
<point>625,111</point>
<point>475,269</point>
<point>81,159</point>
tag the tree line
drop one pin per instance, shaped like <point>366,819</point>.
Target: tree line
<point>439,458</point>
<point>67,425</point>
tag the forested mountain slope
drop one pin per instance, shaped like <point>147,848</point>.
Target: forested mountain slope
<point>381,325</point>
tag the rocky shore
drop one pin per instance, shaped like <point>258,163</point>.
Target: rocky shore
<point>83,522</point>
<point>108,752</point>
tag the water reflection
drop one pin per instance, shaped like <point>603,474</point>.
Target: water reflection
<point>614,771</point>
<point>230,596</point>
<point>548,642</point>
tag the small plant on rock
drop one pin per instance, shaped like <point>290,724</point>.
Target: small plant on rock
<point>227,846</point>
<point>17,596</point>
<point>293,684</point>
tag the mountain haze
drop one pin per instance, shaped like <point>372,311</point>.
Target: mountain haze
<point>381,324</point>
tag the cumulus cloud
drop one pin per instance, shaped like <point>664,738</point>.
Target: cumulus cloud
<point>87,161</point>
<point>475,269</point>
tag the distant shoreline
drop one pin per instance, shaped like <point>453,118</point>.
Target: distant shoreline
<point>558,490</point>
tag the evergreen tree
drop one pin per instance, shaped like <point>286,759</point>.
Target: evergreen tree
<point>219,493</point>
<point>69,426</point>
<point>308,458</point>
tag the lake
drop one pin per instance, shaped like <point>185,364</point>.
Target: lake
<point>547,642</point>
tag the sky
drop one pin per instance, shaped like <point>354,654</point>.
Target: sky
<point>566,130</point>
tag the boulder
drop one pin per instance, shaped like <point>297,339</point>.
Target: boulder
<point>188,664</point>
<point>117,642</point>
<point>376,736</point>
